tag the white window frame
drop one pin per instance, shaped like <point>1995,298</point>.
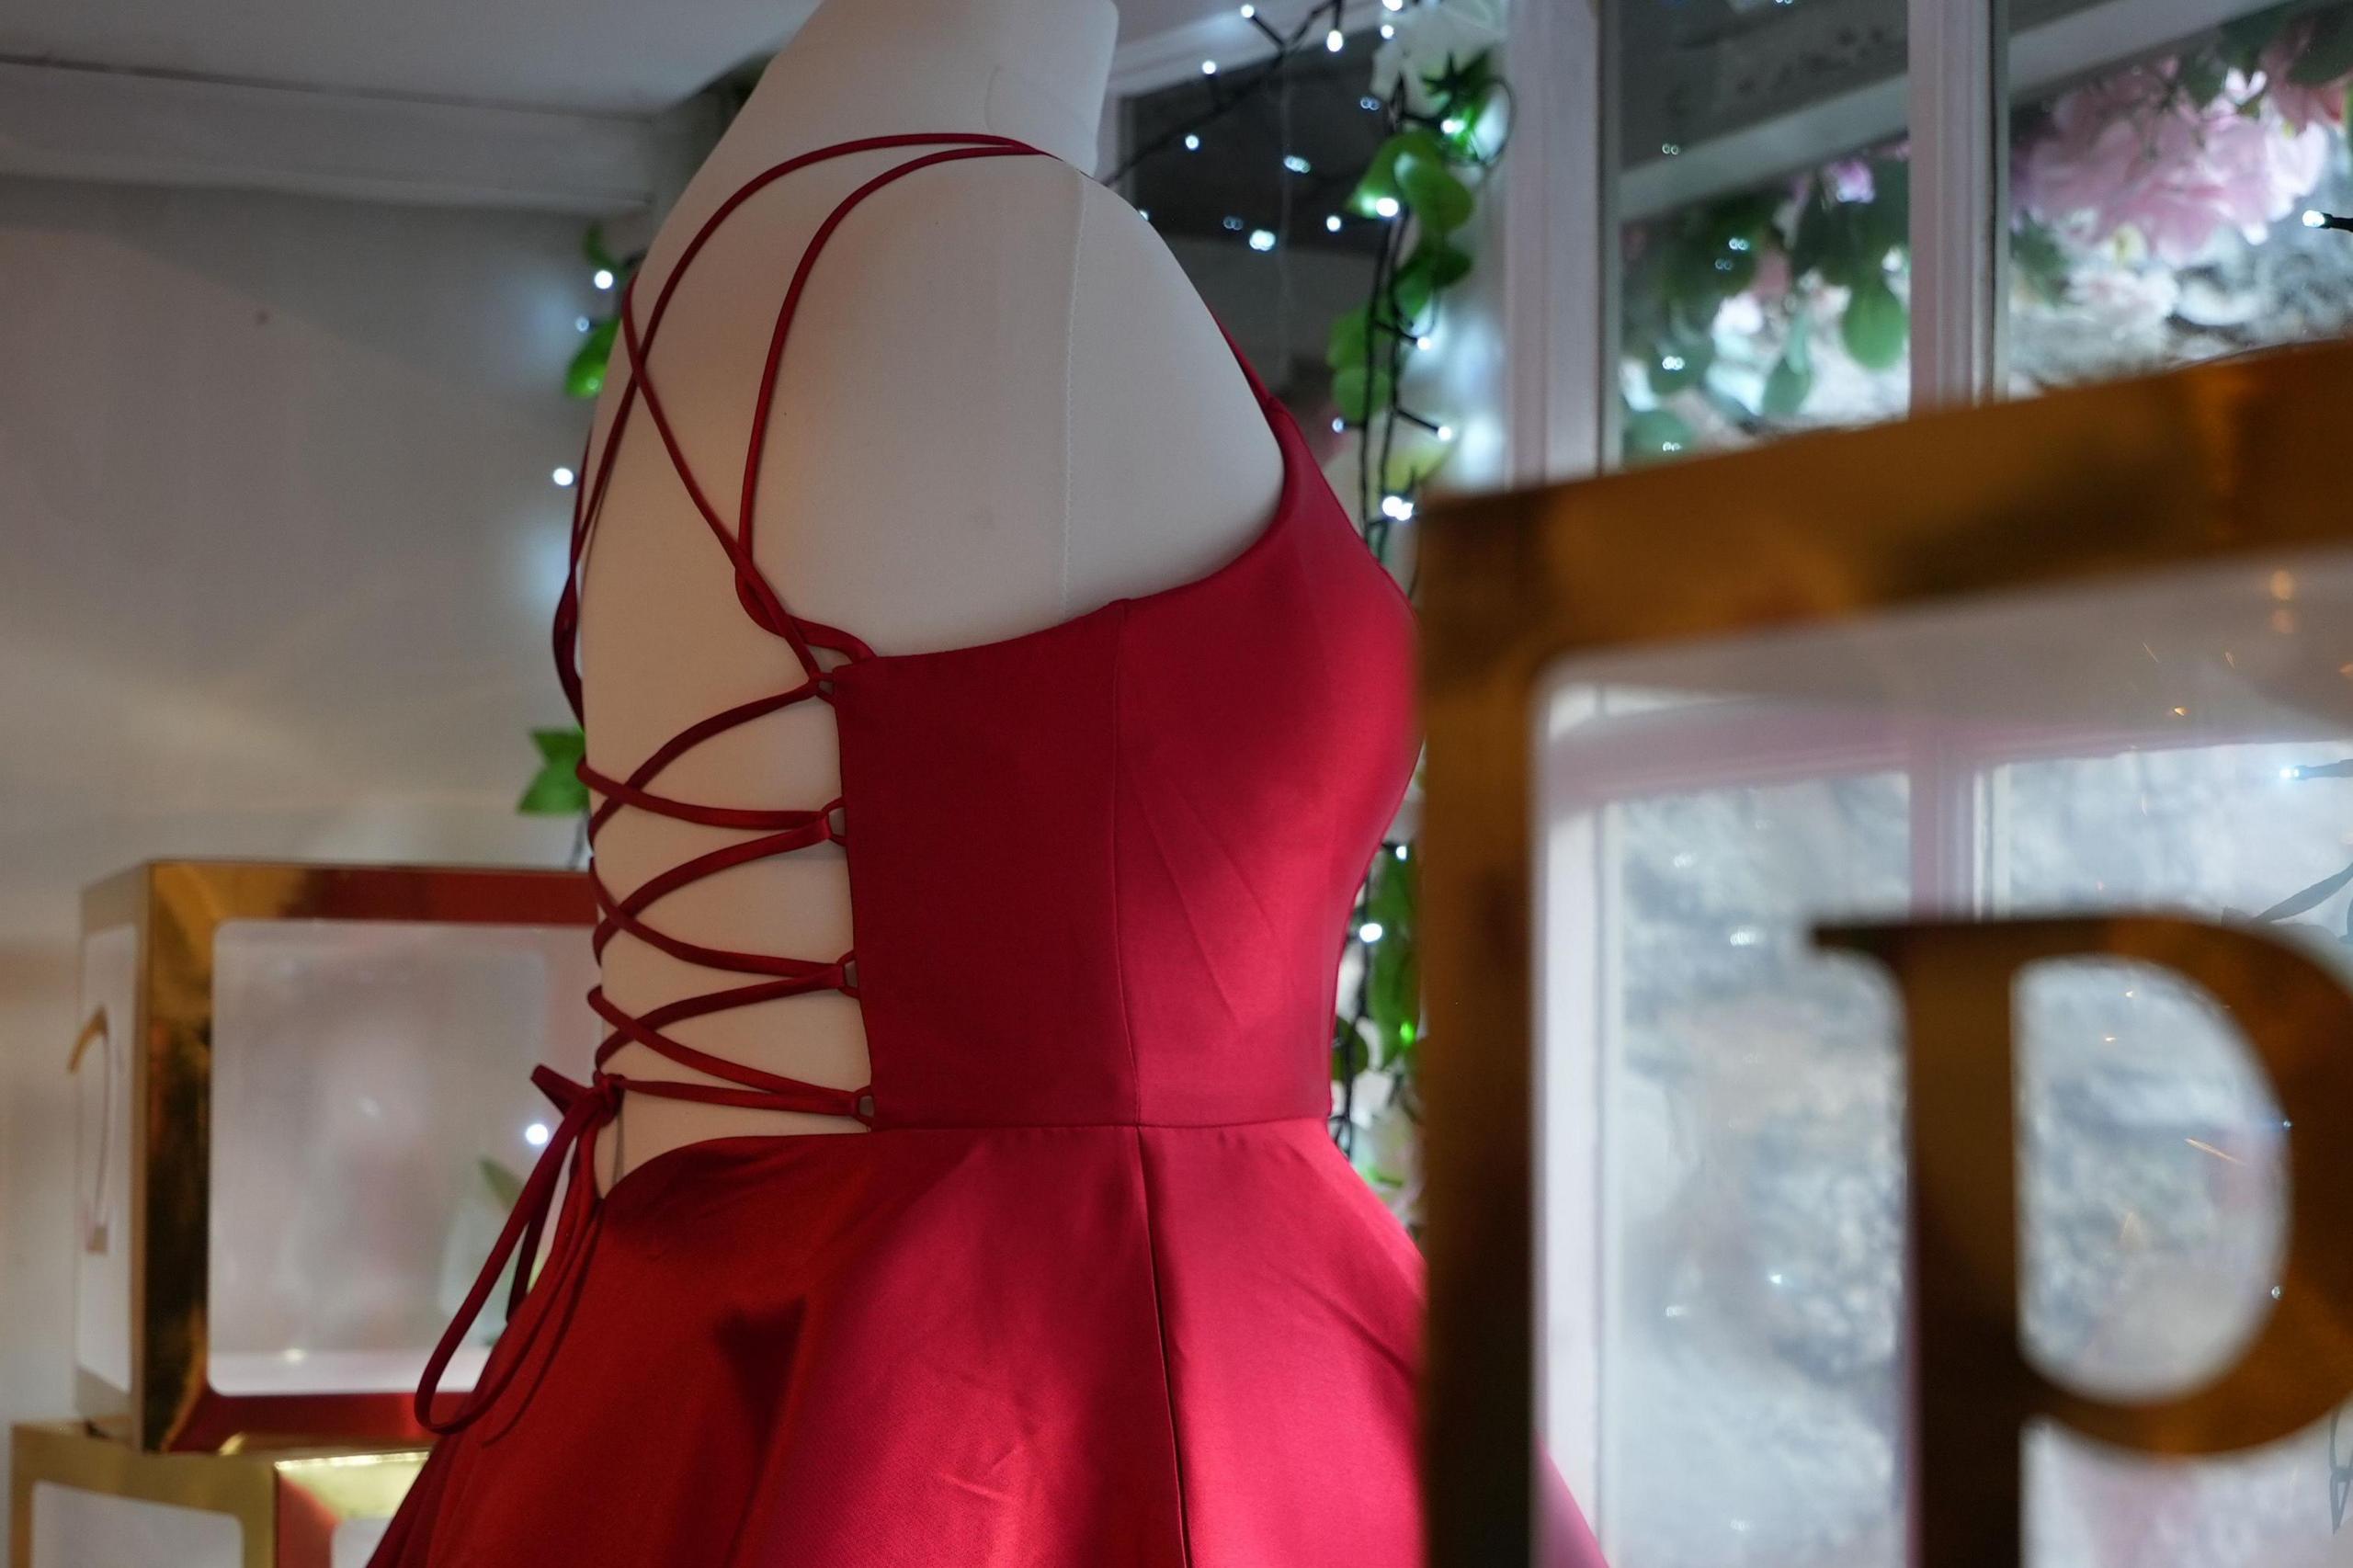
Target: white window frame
<point>1564,199</point>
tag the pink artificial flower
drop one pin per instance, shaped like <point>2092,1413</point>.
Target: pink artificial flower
<point>1850,179</point>
<point>2127,151</point>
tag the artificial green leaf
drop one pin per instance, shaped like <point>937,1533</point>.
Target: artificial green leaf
<point>1379,180</point>
<point>2245,39</point>
<point>1746,217</point>
<point>1693,285</point>
<point>1412,463</point>
<point>1389,893</point>
<point>585,377</point>
<point>2201,74</point>
<point>1811,239</point>
<point>1656,433</point>
<point>1876,326</point>
<point>1358,394</point>
<point>1887,216</point>
<point>556,789</point>
<point>565,746</point>
<point>1446,264</point>
<point>504,1185</point>
<point>1458,86</point>
<point>1790,381</point>
<point>1410,293</point>
<point>1429,189</point>
<point>2329,53</point>
<point>1673,366</point>
<point>2040,261</point>
<point>1347,345</point>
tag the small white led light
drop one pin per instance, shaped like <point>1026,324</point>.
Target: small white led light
<point>1396,508</point>
<point>1333,41</point>
<point>1262,239</point>
<point>1192,144</point>
<point>1209,67</point>
<point>1338,425</point>
<point>1426,342</point>
<point>1386,207</point>
<point>1452,124</point>
<point>1332,224</point>
<point>563,478</point>
<point>1388,30</point>
<point>603,277</point>
<point>537,1135</point>
<point>1249,13</point>
<point>1370,932</point>
<point>580,324</point>
<point>1296,164</point>
<point>2314,218</point>
<point>1446,432</point>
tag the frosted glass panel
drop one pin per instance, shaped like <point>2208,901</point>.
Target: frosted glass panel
<point>74,1528</point>
<point>371,1116</point>
<point>1725,1295</point>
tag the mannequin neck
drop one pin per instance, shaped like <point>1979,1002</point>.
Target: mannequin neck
<point>1034,70</point>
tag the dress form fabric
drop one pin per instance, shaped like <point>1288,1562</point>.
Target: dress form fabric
<point>988,423</point>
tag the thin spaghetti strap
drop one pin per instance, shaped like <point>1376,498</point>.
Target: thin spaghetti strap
<point>760,598</point>
<point>586,1109</point>
<point>762,406</point>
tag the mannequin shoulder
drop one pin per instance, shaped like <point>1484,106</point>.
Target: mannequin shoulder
<point>1060,260</point>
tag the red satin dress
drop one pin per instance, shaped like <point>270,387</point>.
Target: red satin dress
<point>1095,1290</point>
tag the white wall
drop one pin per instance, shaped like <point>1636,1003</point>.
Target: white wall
<point>278,547</point>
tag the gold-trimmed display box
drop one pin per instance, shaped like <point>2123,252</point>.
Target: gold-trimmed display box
<point>81,1500</point>
<point>1902,667</point>
<point>302,1108</point>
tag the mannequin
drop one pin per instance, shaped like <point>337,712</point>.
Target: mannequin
<point>991,418</point>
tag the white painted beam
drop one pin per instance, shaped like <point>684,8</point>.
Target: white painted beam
<point>1961,210</point>
<point>1559,242</point>
<point>72,122</point>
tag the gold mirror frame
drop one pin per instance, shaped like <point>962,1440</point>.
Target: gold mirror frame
<point>2222,460</point>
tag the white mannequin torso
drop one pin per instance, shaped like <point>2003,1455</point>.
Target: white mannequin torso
<point>1002,406</point>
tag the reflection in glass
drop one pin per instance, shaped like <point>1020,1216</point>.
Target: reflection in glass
<point>1724,1176</point>
<point>371,1123</point>
<point>2158,202</point>
<point>1766,285</point>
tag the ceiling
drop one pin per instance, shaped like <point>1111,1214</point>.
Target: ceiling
<point>626,56</point>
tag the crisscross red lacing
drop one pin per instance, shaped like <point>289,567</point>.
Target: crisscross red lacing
<point>586,1109</point>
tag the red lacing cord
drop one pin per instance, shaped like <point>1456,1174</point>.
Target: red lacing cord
<point>583,1109</point>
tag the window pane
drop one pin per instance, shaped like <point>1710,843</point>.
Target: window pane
<point>2159,184</point>
<point>1763,190</point>
<point>1759,1283</point>
<point>1723,1161</point>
